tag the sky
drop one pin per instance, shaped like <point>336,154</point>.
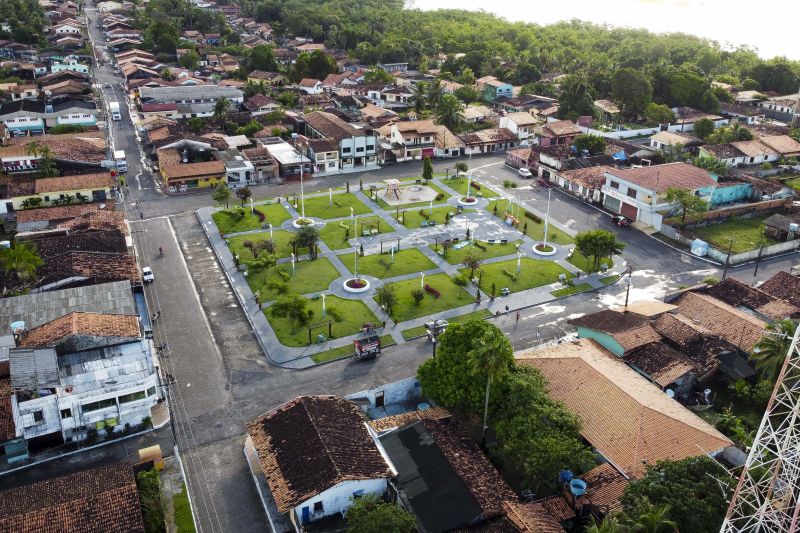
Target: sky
<point>770,26</point>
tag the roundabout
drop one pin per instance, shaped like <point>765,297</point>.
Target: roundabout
<point>356,285</point>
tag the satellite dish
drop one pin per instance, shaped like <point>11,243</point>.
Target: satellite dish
<point>670,393</point>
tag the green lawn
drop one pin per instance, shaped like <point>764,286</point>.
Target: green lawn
<point>572,289</point>
<point>412,218</point>
<point>183,513</point>
<point>320,206</point>
<point>281,238</point>
<point>535,229</point>
<point>745,232</point>
<point>432,185</point>
<point>347,316</point>
<point>608,280</point>
<point>460,186</point>
<point>380,265</point>
<point>333,233</point>
<point>450,296</point>
<point>456,257</point>
<point>346,351</point>
<point>228,221</point>
<point>419,331</point>
<point>310,277</point>
<point>587,264</point>
<point>793,182</point>
<point>534,273</point>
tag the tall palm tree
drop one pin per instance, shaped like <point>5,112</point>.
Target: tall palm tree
<point>448,113</point>
<point>434,93</point>
<point>609,525</point>
<point>418,96</point>
<point>653,519</point>
<point>22,259</point>
<point>770,352</point>
<point>490,358</point>
<point>46,164</point>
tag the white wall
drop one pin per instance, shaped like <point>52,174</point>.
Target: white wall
<point>339,497</point>
<point>400,391</point>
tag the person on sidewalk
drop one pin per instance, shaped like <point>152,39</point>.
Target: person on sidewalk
<point>517,317</point>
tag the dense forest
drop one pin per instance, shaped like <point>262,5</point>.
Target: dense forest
<point>25,20</point>
<point>673,69</point>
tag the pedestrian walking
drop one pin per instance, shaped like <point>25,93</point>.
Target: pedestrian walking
<point>506,309</point>
<point>141,215</point>
<point>517,317</point>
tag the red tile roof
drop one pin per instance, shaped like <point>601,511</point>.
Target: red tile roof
<point>659,178</point>
<point>97,180</point>
<point>7,428</point>
<point>784,286</point>
<point>79,323</point>
<point>91,501</point>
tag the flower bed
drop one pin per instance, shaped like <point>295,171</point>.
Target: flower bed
<point>432,291</point>
<point>302,222</point>
<point>541,247</point>
<point>355,283</point>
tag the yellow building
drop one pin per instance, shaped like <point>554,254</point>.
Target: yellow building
<point>24,191</point>
<point>180,177</point>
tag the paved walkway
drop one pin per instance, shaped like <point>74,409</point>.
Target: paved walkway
<point>483,226</point>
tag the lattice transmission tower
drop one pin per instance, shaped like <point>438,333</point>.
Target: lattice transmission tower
<point>767,497</point>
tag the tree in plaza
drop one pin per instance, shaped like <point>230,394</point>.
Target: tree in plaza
<point>696,491</point>
<point>417,295</point>
<point>308,238</point>
<point>594,144</point>
<point>243,193</point>
<point>370,514</point>
<point>418,96</point>
<point>264,263</point>
<point>461,167</point>
<point>597,244</point>
<point>267,245</point>
<point>703,128</point>
<point>456,377</point>
<point>473,263</point>
<point>770,352</point>
<point>631,87</point>
<point>386,297</point>
<point>687,202</point>
<point>221,194</point>
<point>293,308</point>
<point>21,260</point>
<point>189,60</point>
<point>250,245</point>
<point>448,112</point>
<point>658,114</point>
<point>46,163</point>
<point>427,169</point>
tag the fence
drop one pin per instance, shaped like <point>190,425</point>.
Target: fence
<point>746,210</point>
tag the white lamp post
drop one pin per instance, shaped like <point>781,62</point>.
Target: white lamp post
<point>430,209</point>
<point>519,261</point>
<point>252,209</point>
<point>547,216</point>
<point>355,259</point>
<point>422,280</point>
<point>469,176</point>
<point>302,195</point>
<point>293,263</point>
<point>391,252</point>
<point>323,305</point>
<point>270,231</point>
<point>330,197</point>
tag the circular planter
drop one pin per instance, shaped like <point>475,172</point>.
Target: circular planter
<point>467,201</point>
<point>546,252</point>
<point>356,285</point>
<point>302,222</point>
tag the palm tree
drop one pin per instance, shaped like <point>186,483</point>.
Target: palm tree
<point>490,358</point>
<point>221,108</point>
<point>418,94</point>
<point>770,352</point>
<point>434,93</point>
<point>46,165</point>
<point>653,519</point>
<point>21,259</point>
<point>609,525</point>
<point>448,113</point>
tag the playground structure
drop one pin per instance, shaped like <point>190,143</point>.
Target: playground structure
<point>396,195</point>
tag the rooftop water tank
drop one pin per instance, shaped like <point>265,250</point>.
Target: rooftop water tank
<point>577,487</point>
<point>793,227</point>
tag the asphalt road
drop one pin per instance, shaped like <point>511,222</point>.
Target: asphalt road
<point>223,380</point>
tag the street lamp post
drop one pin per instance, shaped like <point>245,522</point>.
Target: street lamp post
<point>302,193</point>
<point>293,263</point>
<point>433,344</point>
<point>422,280</point>
<point>270,231</point>
<point>355,259</point>
<point>323,305</point>
<point>628,282</point>
<point>330,197</point>
<point>252,209</point>
<point>519,261</point>
<point>547,217</point>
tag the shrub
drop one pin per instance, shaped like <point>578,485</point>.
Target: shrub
<point>460,281</point>
<point>511,275</point>
<point>475,185</point>
<point>277,286</point>
<point>334,313</point>
<point>336,203</point>
<point>494,289</point>
<point>479,245</point>
<point>432,291</point>
<point>439,197</point>
<point>507,184</point>
<point>533,217</point>
<point>417,295</point>
<point>710,280</point>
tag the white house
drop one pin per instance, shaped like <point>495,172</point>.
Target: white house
<point>67,29</point>
<point>310,86</point>
<point>357,146</point>
<point>418,138</point>
<point>69,64</point>
<point>521,124</point>
<point>297,452</point>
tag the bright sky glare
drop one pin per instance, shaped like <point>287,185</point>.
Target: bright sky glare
<point>770,26</point>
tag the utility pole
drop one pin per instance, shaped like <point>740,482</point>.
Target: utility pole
<point>758,262</point>
<point>629,281</point>
<point>727,260</point>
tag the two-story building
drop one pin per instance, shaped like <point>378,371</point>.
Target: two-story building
<point>198,94</point>
<point>557,132</point>
<point>358,146</point>
<point>323,153</point>
<point>36,115</point>
<point>521,123</point>
<point>69,64</point>
<point>417,137</point>
<point>491,88</point>
<point>640,193</point>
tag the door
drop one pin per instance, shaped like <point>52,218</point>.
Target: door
<point>306,515</point>
<point>379,399</point>
<point>629,211</point>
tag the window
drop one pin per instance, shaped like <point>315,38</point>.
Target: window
<point>346,150</point>
<point>132,397</point>
<point>66,413</point>
<point>102,404</point>
<point>359,149</point>
<point>38,416</point>
<point>359,493</point>
<point>370,147</point>
<point>631,192</point>
<point>318,507</point>
<point>614,185</point>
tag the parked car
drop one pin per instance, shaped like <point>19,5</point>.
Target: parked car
<point>620,221</point>
<point>541,182</point>
<point>525,173</point>
<point>147,275</point>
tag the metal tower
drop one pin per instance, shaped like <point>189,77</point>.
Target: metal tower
<point>767,497</point>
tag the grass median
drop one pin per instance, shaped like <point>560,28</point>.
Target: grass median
<point>406,261</point>
<point>309,277</point>
<point>420,330</point>
<point>240,219</point>
<point>534,273</point>
<point>450,296</point>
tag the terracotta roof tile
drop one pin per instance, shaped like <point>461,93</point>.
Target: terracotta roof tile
<point>784,286</point>
<point>330,125</point>
<point>396,421</point>
<point>658,360</point>
<point>734,326</point>
<point>57,213</point>
<point>659,178</point>
<point>91,501</point>
<point>97,180</point>
<point>79,323</point>
<point>628,419</point>
<point>630,330</point>
<point>310,444</point>
<point>737,294</point>
<point>7,428</point>
<point>91,266</point>
<point>678,328</point>
<point>531,518</point>
<point>559,128</point>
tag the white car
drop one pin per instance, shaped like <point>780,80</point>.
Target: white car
<point>525,173</point>
<point>147,274</point>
